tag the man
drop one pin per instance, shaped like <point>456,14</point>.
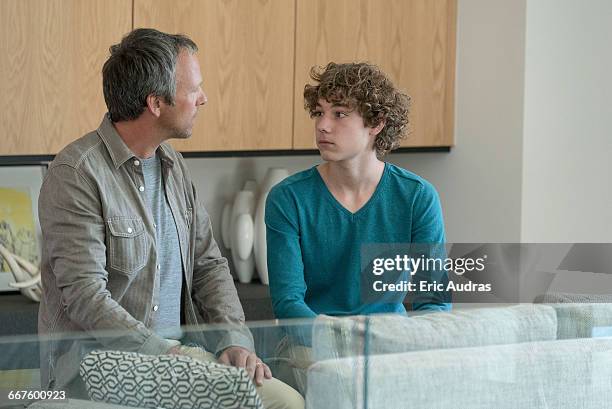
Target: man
<point>126,245</point>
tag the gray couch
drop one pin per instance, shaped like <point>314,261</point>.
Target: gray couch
<point>524,356</point>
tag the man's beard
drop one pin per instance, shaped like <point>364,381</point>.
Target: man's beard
<point>174,132</point>
<point>177,133</point>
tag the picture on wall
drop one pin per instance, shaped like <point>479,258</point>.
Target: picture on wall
<point>19,226</point>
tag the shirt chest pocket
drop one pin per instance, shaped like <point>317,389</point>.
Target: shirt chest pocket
<point>127,251</point>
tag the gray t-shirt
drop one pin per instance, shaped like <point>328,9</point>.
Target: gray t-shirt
<point>166,321</point>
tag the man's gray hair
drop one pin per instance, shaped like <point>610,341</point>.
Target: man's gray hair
<point>143,63</point>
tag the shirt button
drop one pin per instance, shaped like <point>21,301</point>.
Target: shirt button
<point>158,266</point>
<point>136,162</point>
<point>155,307</point>
<point>141,188</point>
<point>130,230</point>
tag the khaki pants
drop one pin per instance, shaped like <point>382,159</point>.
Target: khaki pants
<point>292,367</point>
<point>273,393</point>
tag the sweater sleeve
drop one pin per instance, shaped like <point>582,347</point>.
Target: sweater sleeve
<point>285,266</point>
<point>429,237</point>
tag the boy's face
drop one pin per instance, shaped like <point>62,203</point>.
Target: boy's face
<point>340,132</point>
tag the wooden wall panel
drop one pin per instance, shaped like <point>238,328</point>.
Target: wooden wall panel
<point>50,71</point>
<point>246,55</point>
<point>53,51</point>
<point>413,41</point>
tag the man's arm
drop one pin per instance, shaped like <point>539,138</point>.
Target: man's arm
<point>73,230</point>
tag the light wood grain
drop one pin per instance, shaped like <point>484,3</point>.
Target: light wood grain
<point>246,55</point>
<point>413,41</point>
<point>53,51</point>
<point>50,72</point>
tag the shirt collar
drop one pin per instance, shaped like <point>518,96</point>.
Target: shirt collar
<point>165,153</point>
<point>119,151</point>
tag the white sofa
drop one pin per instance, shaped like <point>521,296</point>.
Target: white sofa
<point>525,356</point>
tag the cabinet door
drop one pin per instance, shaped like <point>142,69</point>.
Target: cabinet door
<point>50,70</point>
<point>413,41</point>
<point>246,56</point>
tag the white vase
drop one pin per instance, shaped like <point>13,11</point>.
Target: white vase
<point>227,214</point>
<point>226,224</point>
<point>241,238</point>
<point>250,185</point>
<point>273,176</point>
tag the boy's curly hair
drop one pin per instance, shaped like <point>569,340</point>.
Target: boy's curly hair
<point>364,87</point>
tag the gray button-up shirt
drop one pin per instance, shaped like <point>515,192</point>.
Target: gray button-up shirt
<point>99,255</point>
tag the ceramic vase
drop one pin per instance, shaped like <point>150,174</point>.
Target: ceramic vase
<point>241,232</point>
<point>273,176</point>
<point>226,224</point>
<point>226,215</point>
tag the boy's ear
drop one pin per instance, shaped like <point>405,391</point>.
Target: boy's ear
<point>154,104</point>
<point>376,129</point>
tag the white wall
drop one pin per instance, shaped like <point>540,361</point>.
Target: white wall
<point>567,148</point>
<point>480,180</point>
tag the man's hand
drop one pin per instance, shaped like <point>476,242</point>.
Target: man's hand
<point>175,350</point>
<point>243,358</point>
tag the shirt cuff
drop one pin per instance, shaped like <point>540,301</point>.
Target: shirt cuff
<point>155,345</point>
<point>235,338</point>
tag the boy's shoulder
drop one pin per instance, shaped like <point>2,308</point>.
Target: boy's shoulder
<point>404,174</point>
<point>297,179</point>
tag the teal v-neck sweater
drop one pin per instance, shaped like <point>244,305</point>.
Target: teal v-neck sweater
<point>314,243</point>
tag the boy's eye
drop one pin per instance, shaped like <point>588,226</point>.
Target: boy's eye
<point>341,114</point>
<point>314,114</point>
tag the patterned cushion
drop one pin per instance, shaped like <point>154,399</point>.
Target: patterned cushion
<point>166,381</point>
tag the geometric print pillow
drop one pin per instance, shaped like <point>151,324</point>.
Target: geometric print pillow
<point>166,381</point>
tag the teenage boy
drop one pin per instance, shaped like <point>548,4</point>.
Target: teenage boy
<point>318,219</point>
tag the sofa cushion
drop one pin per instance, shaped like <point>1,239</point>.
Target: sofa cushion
<point>557,298</point>
<point>380,334</point>
<point>580,315</point>
<point>566,374</point>
<point>167,381</point>
<point>580,320</point>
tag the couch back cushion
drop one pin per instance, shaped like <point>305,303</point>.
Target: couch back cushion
<point>565,374</point>
<point>578,320</point>
<point>383,334</point>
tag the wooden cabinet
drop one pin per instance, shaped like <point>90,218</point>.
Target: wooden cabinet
<point>246,55</point>
<point>255,57</point>
<point>50,70</point>
<point>413,41</point>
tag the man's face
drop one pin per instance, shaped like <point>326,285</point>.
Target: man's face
<point>340,132</point>
<point>178,119</point>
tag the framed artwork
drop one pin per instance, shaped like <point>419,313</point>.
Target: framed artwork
<point>19,225</point>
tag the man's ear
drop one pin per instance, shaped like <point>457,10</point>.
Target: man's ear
<point>154,105</point>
